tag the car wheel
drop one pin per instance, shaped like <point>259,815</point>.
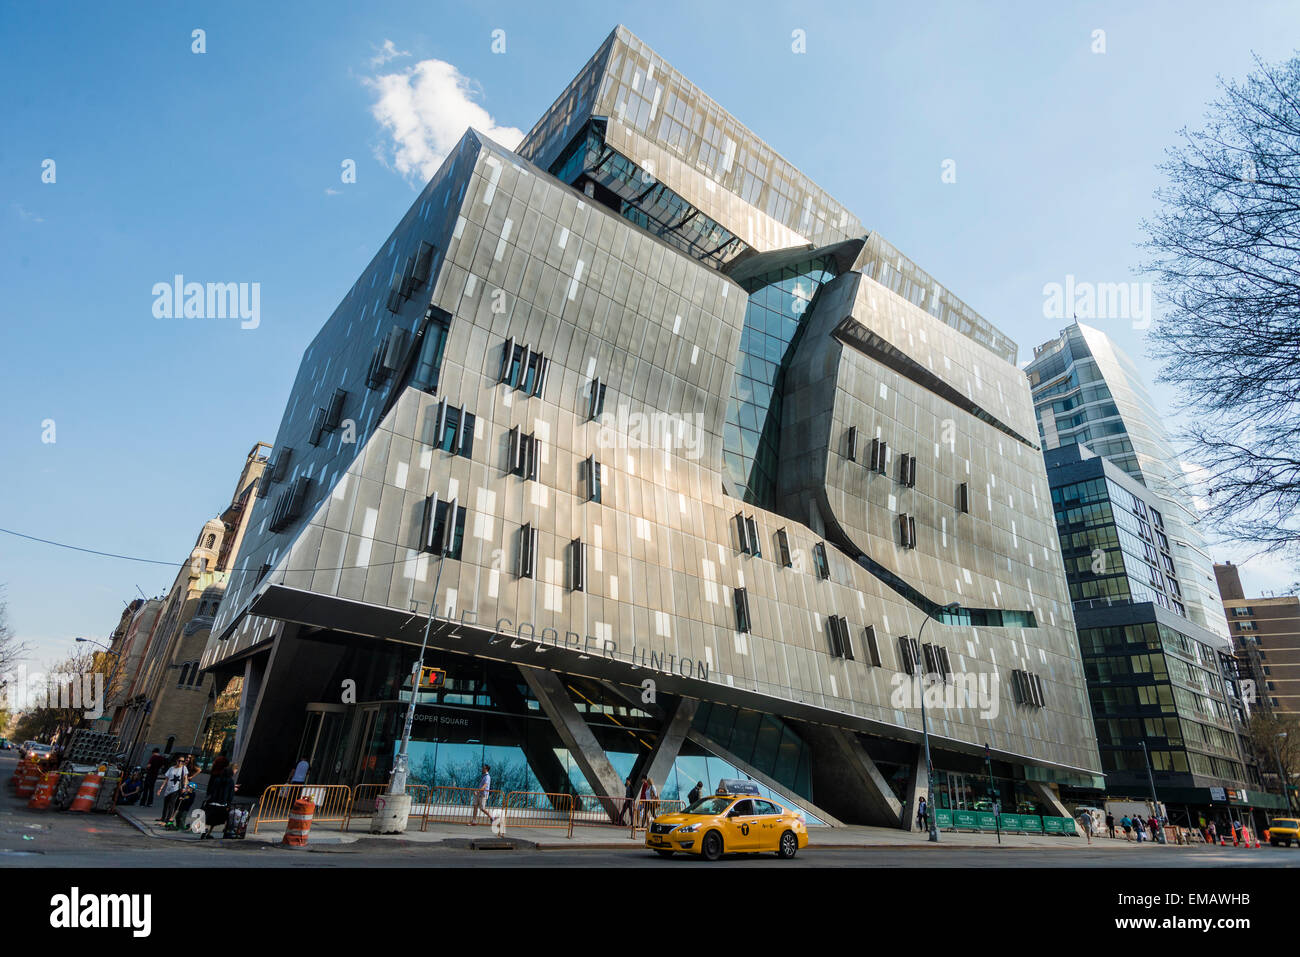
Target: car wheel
<point>663,853</point>
<point>711,849</point>
<point>788,846</point>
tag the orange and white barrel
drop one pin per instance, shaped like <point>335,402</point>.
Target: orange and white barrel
<point>44,792</point>
<point>88,793</point>
<point>295,835</point>
<point>27,781</point>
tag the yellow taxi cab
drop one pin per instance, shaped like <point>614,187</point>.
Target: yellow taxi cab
<point>735,820</point>
<point>1282,830</point>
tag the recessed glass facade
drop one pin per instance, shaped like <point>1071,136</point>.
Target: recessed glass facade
<point>778,303</point>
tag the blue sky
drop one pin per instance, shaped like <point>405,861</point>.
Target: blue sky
<point>225,166</point>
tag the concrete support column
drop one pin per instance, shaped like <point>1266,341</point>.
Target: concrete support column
<point>671,736</point>
<point>918,786</point>
<point>776,787</point>
<point>846,779</point>
<point>549,690</point>
<point>1049,797</point>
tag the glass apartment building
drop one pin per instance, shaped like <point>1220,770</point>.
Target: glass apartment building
<point>1156,679</point>
<point>1088,392</point>
<point>681,456</point>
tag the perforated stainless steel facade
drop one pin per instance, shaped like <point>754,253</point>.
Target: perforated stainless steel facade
<point>681,581</point>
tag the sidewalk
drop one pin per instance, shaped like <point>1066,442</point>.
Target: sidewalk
<point>547,838</point>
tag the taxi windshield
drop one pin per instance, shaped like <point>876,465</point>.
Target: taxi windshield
<point>709,805</point>
<point>1283,822</point>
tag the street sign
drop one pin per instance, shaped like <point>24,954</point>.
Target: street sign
<point>1218,794</point>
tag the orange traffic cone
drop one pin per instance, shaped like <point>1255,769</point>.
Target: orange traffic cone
<point>44,792</point>
<point>88,793</point>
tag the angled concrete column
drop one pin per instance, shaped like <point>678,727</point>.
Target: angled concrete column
<point>918,786</point>
<point>846,780</point>
<point>1049,797</point>
<point>671,735</point>
<point>776,787</point>
<point>548,688</point>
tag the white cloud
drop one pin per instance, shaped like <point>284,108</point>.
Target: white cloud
<point>27,214</point>
<point>331,191</point>
<point>387,52</point>
<point>426,110</point>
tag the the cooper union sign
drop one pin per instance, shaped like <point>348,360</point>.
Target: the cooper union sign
<point>525,633</point>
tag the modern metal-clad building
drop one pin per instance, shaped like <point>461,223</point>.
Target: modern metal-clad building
<point>683,458</point>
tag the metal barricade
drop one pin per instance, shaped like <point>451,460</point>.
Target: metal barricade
<point>333,803</point>
<point>541,809</point>
<point>364,800</point>
<point>454,805</point>
<point>643,812</point>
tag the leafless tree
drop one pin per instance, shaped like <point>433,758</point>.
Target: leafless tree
<point>11,649</point>
<point>1225,248</point>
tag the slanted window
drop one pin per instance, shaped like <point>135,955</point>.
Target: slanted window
<point>525,452</point>
<point>907,470</point>
<point>783,548</point>
<point>596,399</point>
<point>278,469</point>
<point>879,456</point>
<point>442,527</point>
<point>873,649</point>
<point>820,561</point>
<point>432,340</point>
<point>907,531</point>
<point>527,552</point>
<point>593,480</point>
<point>909,654</point>
<point>455,430</point>
<point>577,565</point>
<point>837,626</point>
<point>747,530</point>
<point>741,599</point>
<point>963,497</point>
<point>851,444</point>
<point>289,506</point>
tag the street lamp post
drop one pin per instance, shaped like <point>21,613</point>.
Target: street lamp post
<point>997,802</point>
<point>400,763</point>
<point>931,812</point>
<point>1160,826</point>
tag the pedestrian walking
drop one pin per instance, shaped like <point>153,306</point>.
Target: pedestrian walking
<point>1085,821</point>
<point>629,796</point>
<point>221,794</point>
<point>695,792</point>
<point>173,781</point>
<point>1110,824</point>
<point>154,768</point>
<point>1211,833</point>
<point>481,798</point>
<point>648,794</point>
<point>921,809</point>
<point>1126,823</point>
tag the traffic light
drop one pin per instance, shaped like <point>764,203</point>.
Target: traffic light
<point>432,679</point>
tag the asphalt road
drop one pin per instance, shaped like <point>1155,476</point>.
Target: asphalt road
<point>55,839</point>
